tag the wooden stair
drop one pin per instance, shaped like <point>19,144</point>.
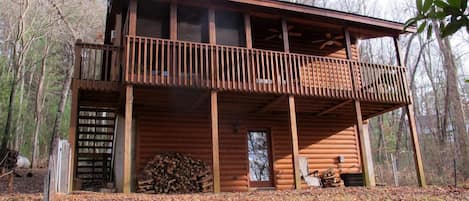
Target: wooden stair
<point>95,142</point>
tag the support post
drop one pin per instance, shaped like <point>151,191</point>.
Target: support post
<point>115,54</point>
<point>128,139</point>
<point>400,62</point>
<point>173,21</point>
<point>73,134</point>
<point>215,148</point>
<point>416,147</point>
<point>348,50</point>
<point>247,29</point>
<point>286,43</point>
<point>294,138</point>
<point>366,150</point>
<point>211,25</point>
<point>133,18</point>
<point>363,144</point>
<point>412,125</point>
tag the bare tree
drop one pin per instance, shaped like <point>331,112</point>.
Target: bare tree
<point>454,97</point>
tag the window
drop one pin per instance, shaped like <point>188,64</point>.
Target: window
<point>260,166</point>
<point>192,24</point>
<point>230,28</point>
<point>152,19</point>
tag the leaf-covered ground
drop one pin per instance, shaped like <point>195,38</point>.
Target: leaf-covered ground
<point>25,184</point>
<point>30,188</point>
<point>346,194</point>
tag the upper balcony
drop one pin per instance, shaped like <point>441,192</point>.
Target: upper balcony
<point>161,62</point>
<point>229,49</point>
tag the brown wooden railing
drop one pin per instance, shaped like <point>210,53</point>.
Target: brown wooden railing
<point>152,61</point>
<point>96,62</point>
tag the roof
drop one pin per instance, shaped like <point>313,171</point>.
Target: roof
<point>360,26</point>
<point>392,26</point>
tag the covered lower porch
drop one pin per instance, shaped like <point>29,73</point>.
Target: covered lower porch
<point>218,127</point>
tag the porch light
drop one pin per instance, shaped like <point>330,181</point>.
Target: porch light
<point>341,159</point>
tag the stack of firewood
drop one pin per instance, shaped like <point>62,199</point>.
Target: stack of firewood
<point>175,173</point>
<point>331,179</point>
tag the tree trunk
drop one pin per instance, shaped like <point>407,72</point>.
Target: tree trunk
<point>454,98</point>
<point>19,121</point>
<point>39,107</point>
<point>63,95</point>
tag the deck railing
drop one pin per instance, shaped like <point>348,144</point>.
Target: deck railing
<point>97,62</point>
<point>152,61</point>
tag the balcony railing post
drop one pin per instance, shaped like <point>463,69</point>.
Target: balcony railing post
<point>400,62</point>
<point>348,49</point>
<point>77,69</point>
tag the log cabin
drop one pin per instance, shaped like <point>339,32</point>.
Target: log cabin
<point>209,78</point>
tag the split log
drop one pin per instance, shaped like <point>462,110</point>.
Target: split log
<point>331,179</point>
<point>175,173</point>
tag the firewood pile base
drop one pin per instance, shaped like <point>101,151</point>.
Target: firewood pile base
<point>331,179</point>
<point>175,173</point>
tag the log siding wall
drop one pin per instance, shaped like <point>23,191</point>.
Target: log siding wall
<point>321,140</point>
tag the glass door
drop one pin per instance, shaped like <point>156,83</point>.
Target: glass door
<point>260,160</point>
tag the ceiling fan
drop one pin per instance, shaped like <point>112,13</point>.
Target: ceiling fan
<point>278,34</point>
<point>330,40</point>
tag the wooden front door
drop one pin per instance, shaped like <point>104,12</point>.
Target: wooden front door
<point>260,159</point>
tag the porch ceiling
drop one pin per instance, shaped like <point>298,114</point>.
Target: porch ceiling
<point>191,100</point>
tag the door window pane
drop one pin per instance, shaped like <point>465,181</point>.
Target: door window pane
<point>259,159</point>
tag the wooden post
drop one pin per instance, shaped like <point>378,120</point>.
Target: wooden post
<point>117,43</point>
<point>400,62</point>
<point>286,43</point>
<point>416,147</point>
<point>173,21</point>
<point>10,183</point>
<point>363,136</point>
<point>412,125</point>
<point>294,138</point>
<point>211,25</point>
<point>348,50</point>
<point>366,150</point>
<point>128,139</point>
<point>133,18</point>
<point>73,133</point>
<point>363,141</point>
<point>77,66</point>
<point>213,40</point>
<point>215,149</point>
<point>247,29</point>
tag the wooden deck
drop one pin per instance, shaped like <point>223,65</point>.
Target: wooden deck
<point>161,62</point>
<point>151,61</point>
